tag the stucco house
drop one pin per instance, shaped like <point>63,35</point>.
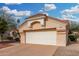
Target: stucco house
<point>44,30</point>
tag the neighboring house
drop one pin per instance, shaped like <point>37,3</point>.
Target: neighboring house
<point>44,30</point>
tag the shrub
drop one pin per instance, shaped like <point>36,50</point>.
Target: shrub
<point>72,37</point>
<point>10,38</point>
<point>77,35</point>
<point>17,39</point>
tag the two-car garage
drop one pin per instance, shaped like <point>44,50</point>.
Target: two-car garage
<point>46,37</point>
<point>44,30</point>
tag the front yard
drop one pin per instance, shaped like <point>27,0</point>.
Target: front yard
<point>15,49</point>
<point>70,50</point>
<point>6,43</point>
<point>40,50</point>
<point>2,45</point>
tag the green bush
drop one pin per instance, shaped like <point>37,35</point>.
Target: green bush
<point>72,37</point>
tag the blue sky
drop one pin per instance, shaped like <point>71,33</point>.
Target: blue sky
<point>59,10</point>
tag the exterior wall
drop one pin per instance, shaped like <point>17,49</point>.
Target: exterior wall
<point>36,26</point>
<point>24,27</point>
<point>22,38</point>
<point>41,21</point>
<point>61,39</point>
<point>55,24</point>
<point>61,36</point>
<point>50,23</point>
<point>33,26</point>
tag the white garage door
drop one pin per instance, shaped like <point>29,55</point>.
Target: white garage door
<point>41,37</point>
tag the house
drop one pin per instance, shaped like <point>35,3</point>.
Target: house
<point>44,30</point>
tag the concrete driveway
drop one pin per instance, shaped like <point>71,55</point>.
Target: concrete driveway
<point>40,50</point>
<point>28,50</point>
<point>70,50</point>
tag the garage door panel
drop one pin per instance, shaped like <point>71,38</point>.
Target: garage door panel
<point>41,37</point>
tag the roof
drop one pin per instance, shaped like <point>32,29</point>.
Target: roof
<point>63,21</point>
<point>37,15</point>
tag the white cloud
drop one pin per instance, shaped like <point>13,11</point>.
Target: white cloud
<point>70,14</point>
<point>41,10</point>
<point>48,7</point>
<point>15,12</point>
<point>4,8</point>
<point>21,13</point>
<point>70,17</point>
<point>45,13</point>
<point>72,10</point>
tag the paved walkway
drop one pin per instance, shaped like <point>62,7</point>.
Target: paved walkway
<point>28,50</point>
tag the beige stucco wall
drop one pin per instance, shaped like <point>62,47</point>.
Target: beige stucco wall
<point>50,23</point>
<point>36,26</point>
<point>22,38</point>
<point>61,39</point>
<point>24,27</point>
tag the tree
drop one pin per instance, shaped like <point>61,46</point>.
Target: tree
<point>18,21</point>
<point>3,27</point>
<point>74,26</point>
<point>7,23</point>
<point>12,24</point>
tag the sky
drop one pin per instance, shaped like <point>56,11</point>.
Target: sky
<point>63,11</point>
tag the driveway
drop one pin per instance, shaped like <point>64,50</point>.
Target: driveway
<point>40,50</point>
<point>70,50</point>
<point>28,50</point>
